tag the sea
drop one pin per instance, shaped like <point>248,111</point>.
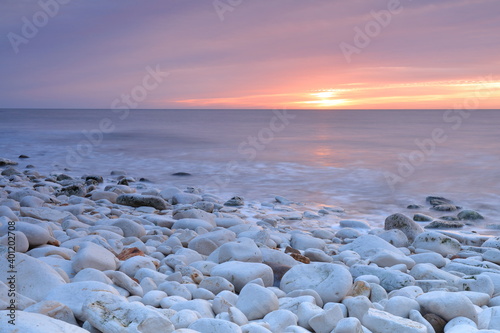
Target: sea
<point>372,163</point>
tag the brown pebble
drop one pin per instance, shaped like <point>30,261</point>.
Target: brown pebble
<point>129,253</point>
<point>436,322</point>
<point>301,258</point>
<point>290,249</point>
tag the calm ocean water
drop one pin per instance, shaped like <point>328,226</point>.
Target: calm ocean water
<point>367,161</point>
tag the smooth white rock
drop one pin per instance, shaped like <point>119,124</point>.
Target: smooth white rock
<point>447,305</point>
<point>22,302</point>
<point>383,322</point>
<point>193,224</point>
<point>437,242</point>
<point>209,325</point>
<point>331,281</point>
<point>46,214</point>
<point>184,318</point>
<point>480,283</point>
<point>54,310</point>
<point>91,255</point>
<point>301,241</point>
<point>493,242</point>
<point>7,212</point>
<point>154,297</point>
<point>124,281</point>
<point>110,314</point>
<point>326,321</point>
<point>240,273</point>
<point>389,279</point>
<point>357,306</point>
<point>132,265</point>
<point>349,325</point>
<point>130,228</point>
<point>302,292</point>
<point>292,303</point>
<point>224,301</point>
<point>76,294</point>
<point>242,250</point>
<point>384,258</point>
<point>401,306</point>
<point>370,245</point>
<point>27,322</point>
<point>17,240</point>
<point>31,274</point>
<point>255,328</point>
<point>305,312</point>
<point>431,258</point>
<point>417,316</point>
<point>216,284</point>
<point>431,272</point>
<point>354,224</point>
<point>174,288</point>
<point>91,274</point>
<point>203,307</point>
<point>236,316</point>
<point>489,318</point>
<point>36,234</point>
<point>394,237</point>
<point>279,320</point>
<point>459,321</point>
<point>256,301</point>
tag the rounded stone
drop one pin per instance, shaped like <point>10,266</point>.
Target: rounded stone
<point>331,281</point>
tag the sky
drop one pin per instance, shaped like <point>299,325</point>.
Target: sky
<point>250,54</point>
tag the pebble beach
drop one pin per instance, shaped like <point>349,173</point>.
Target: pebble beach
<point>110,253</point>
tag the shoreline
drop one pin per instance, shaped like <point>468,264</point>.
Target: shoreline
<point>178,258</point>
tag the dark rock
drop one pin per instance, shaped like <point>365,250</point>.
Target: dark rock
<point>4,162</point>
<point>137,200</point>
<point>470,215</point>
<point>436,322</point>
<point>23,156</point>
<point>63,176</point>
<point>78,190</point>
<point>448,218</point>
<point>414,206</point>
<point>445,208</point>
<point>444,224</point>
<point>235,201</point>
<point>409,227</point>
<point>144,180</point>
<point>30,166</point>
<point>181,174</point>
<point>123,181</point>
<point>422,218</point>
<point>435,201</point>
<point>10,172</point>
<point>91,182</point>
<point>97,178</point>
